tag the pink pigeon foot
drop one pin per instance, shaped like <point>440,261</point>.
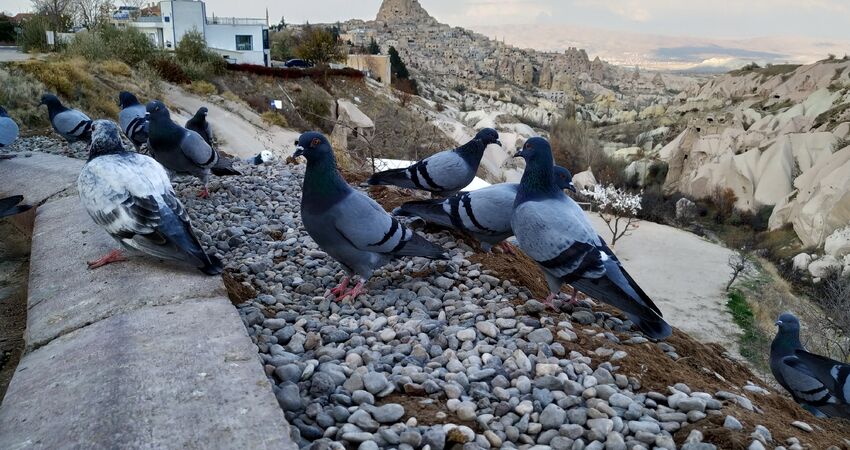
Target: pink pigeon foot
<point>111,257</point>
<point>574,299</point>
<point>549,301</point>
<point>356,290</point>
<point>339,290</point>
<point>205,193</point>
<point>506,247</point>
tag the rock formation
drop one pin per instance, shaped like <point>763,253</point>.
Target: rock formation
<point>393,11</point>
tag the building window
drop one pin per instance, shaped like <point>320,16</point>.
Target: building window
<point>167,19</point>
<point>244,42</point>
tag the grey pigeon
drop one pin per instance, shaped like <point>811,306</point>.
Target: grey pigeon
<point>9,206</point>
<point>444,173</point>
<point>554,231</point>
<point>481,213</point>
<point>71,124</point>
<point>347,224</point>
<point>130,196</point>
<point>132,118</point>
<point>799,378</point>
<point>199,124</point>
<point>8,128</point>
<point>179,150</point>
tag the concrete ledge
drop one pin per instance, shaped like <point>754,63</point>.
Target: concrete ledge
<point>176,376</point>
<point>37,177</point>
<point>64,295</point>
<point>140,354</point>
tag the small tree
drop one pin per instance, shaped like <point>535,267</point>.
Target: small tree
<point>374,48</point>
<point>58,12</point>
<point>319,46</point>
<point>283,45</point>
<point>617,208</point>
<point>93,13</point>
<point>737,263</point>
<point>397,66</point>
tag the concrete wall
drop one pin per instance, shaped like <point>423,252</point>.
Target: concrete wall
<point>222,38</point>
<point>183,17</point>
<point>376,66</point>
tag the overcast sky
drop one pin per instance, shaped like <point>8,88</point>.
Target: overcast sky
<point>827,19</point>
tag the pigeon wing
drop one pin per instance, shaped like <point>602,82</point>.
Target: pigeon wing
<point>8,131</point>
<point>196,150</point>
<point>802,383</point>
<point>833,374</point>
<point>71,123</point>
<point>369,228</point>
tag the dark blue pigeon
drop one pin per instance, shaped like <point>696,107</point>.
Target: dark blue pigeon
<point>71,124</point>
<point>10,206</point>
<point>132,119</point>
<point>347,224</point>
<point>808,380</point>
<point>8,128</point>
<point>199,124</point>
<point>444,173</point>
<point>130,196</point>
<point>554,231</point>
<point>481,213</point>
<point>179,150</point>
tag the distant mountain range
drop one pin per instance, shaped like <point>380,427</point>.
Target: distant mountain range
<point>668,53</point>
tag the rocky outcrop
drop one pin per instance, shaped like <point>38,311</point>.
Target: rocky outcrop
<point>820,205</point>
<point>403,11</point>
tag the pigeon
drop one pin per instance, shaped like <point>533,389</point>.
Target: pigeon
<point>8,128</point>
<point>179,150</point>
<point>132,118</point>
<point>71,124</point>
<point>444,173</point>
<point>130,196</point>
<point>198,123</point>
<point>347,224</point>
<point>261,158</point>
<point>798,377</point>
<point>480,213</point>
<point>9,206</point>
<point>554,231</point>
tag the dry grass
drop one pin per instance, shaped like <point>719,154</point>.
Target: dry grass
<point>202,88</point>
<point>92,87</point>
<point>273,118</point>
<point>116,68</point>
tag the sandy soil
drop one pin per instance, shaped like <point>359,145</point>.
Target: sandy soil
<point>242,131</point>
<point>685,275</point>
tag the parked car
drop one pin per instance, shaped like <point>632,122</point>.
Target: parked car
<point>297,63</point>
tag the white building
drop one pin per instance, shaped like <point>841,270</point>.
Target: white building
<point>240,41</point>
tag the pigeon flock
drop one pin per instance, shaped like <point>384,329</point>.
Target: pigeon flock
<point>130,195</point>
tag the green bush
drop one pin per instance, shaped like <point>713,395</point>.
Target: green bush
<point>33,37</point>
<point>130,45</point>
<point>196,60</point>
<point>168,69</point>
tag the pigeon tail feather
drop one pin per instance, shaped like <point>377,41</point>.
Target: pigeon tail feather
<point>419,246</point>
<point>392,177</point>
<point>431,211</point>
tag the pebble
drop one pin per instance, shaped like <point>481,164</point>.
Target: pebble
<point>803,426</point>
<point>732,424</point>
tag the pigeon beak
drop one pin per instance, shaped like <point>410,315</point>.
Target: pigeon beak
<point>498,142</point>
<point>778,323</point>
<point>518,153</point>
<point>571,186</point>
<point>299,151</point>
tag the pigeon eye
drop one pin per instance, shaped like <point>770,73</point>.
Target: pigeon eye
<point>315,142</point>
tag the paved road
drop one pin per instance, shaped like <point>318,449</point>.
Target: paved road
<point>12,54</point>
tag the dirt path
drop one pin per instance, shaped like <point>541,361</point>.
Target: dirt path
<point>685,275</point>
<point>243,132</point>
